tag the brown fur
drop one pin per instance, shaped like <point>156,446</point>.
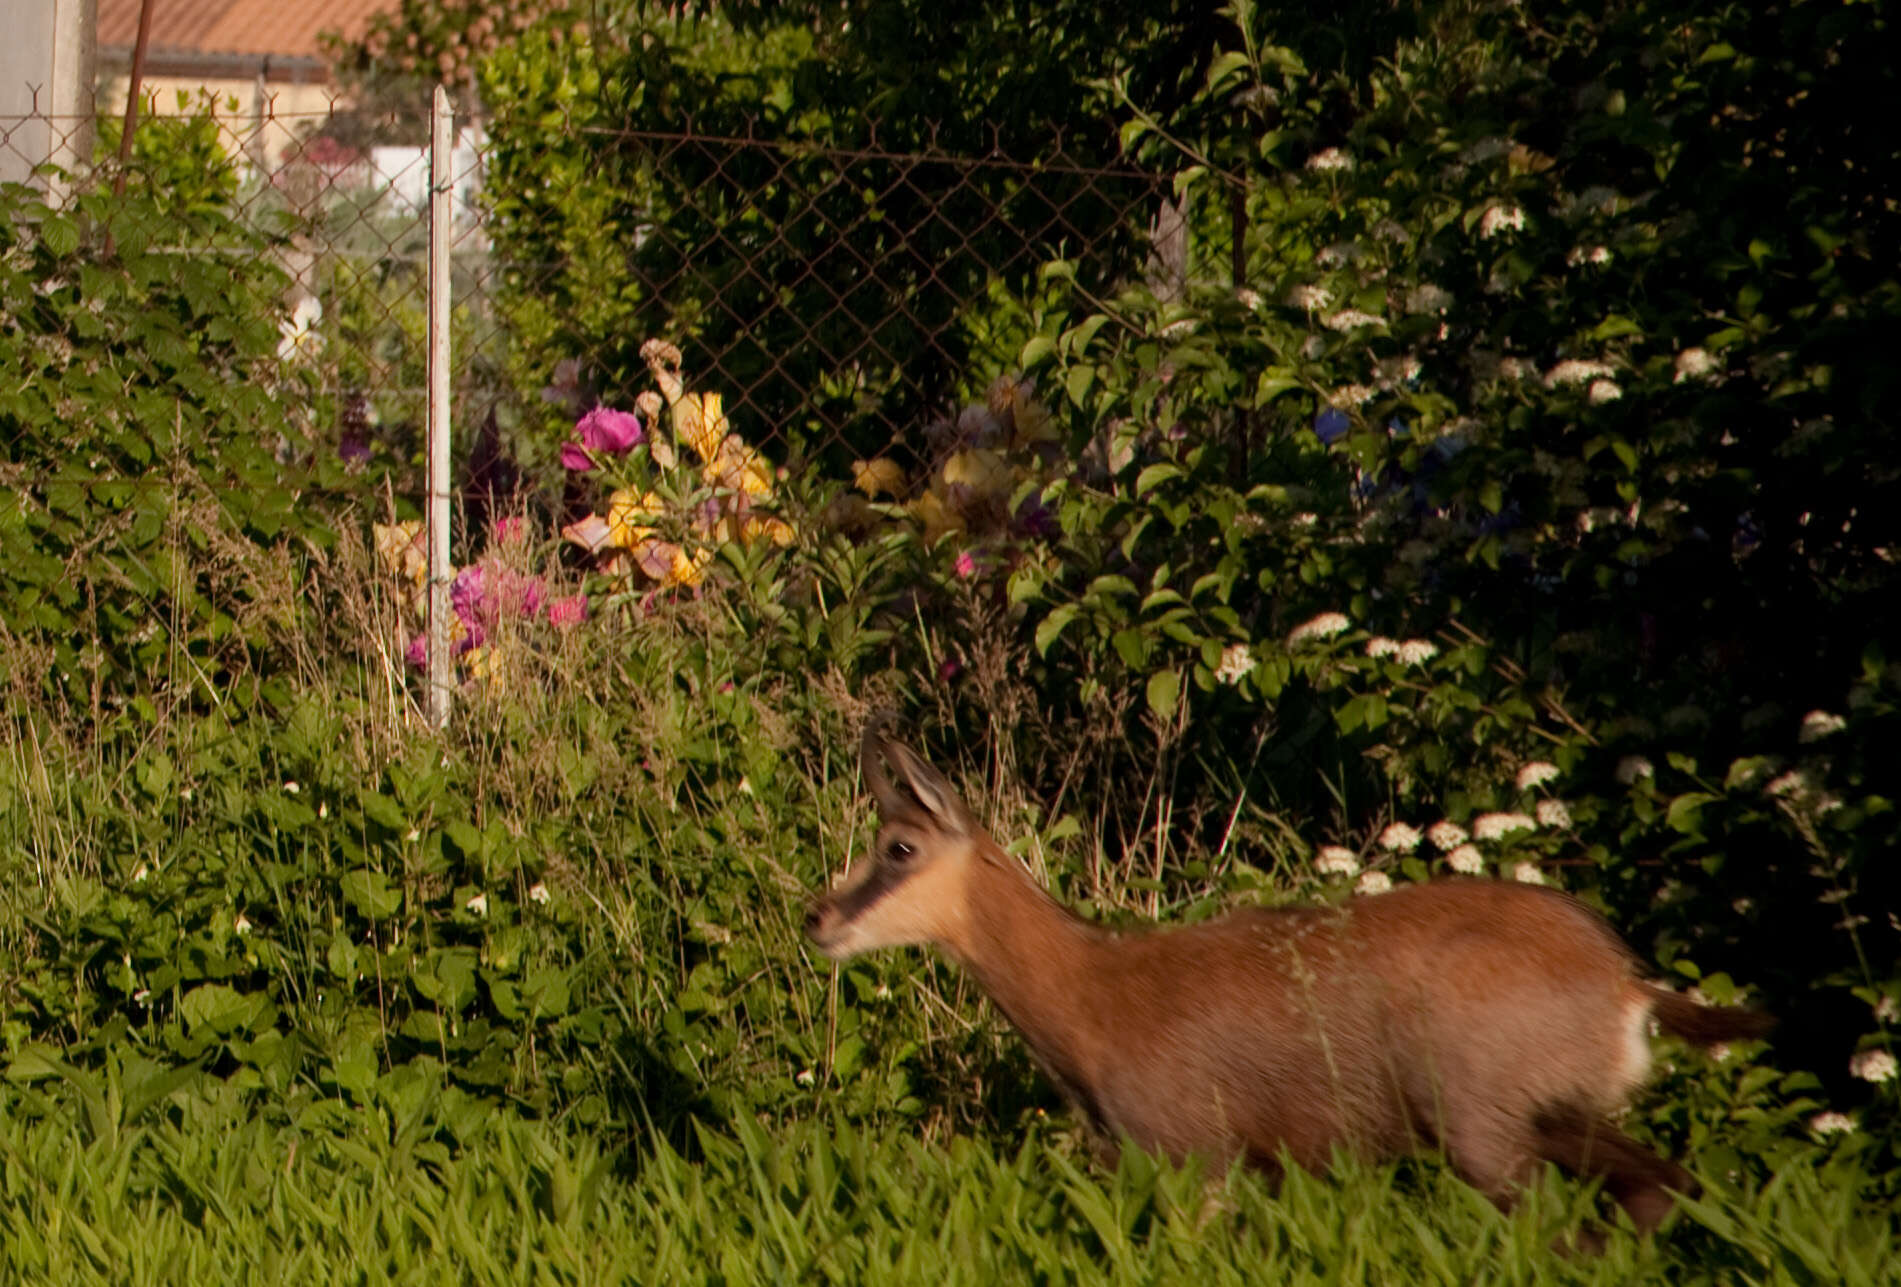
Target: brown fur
<point>1498,1021</point>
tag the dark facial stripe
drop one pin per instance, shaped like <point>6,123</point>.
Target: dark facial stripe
<point>884,878</point>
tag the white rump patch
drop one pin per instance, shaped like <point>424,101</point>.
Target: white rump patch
<point>1633,1064</point>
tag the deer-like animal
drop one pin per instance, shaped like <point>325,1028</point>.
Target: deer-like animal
<point>1498,1021</point>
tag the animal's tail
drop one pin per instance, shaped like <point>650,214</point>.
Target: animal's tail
<point>1705,1025</point>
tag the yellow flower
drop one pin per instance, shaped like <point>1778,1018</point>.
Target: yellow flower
<point>983,471</point>
<point>400,549</point>
<point>880,477</point>
<point>699,421</point>
<point>936,514</point>
<point>630,518</point>
<point>777,530</point>
<point>738,468</point>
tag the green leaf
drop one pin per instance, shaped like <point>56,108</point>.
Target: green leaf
<point>1683,810</point>
<point>1164,693</point>
<point>1035,349</point>
<point>1154,476</point>
<point>1052,626</point>
<point>60,235</point>
<point>371,894</point>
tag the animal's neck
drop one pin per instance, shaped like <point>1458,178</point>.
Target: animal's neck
<point>1036,960</point>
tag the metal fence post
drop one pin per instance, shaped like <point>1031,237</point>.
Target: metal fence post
<point>441,217</point>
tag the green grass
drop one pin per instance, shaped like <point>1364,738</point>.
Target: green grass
<point>205,1185</point>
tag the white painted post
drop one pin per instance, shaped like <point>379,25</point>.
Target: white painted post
<point>441,218</point>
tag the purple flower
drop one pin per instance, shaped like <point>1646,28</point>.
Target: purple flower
<point>1331,425</point>
<point>468,594</point>
<point>1034,519</point>
<point>417,653</point>
<point>601,430</point>
<point>353,450</point>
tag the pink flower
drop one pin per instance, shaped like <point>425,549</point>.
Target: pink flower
<point>564,613</point>
<point>601,430</point>
<point>947,671</point>
<point>467,594</point>
<point>966,564</point>
<point>509,529</point>
<point>417,653</point>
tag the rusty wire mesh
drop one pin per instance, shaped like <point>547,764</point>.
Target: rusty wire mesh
<point>844,301</point>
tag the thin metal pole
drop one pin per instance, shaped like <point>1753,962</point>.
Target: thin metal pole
<point>441,216</point>
<point>134,87</point>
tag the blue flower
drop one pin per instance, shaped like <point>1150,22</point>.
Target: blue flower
<point>1331,425</point>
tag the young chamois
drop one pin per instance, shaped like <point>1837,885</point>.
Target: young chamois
<point>1498,1021</point>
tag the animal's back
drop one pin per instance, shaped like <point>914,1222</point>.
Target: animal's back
<point>1455,1006</point>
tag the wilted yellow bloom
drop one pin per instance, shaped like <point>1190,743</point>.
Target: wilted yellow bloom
<point>630,518</point>
<point>980,469</point>
<point>881,477</point>
<point>738,468</point>
<point>699,421</point>
<point>937,515</point>
<point>400,550</point>
<point>685,569</point>
<point>777,530</point>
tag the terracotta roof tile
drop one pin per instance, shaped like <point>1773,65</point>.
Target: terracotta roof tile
<point>288,28</point>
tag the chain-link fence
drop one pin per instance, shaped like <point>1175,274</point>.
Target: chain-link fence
<point>842,301</point>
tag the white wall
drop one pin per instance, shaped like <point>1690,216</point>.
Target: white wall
<point>46,68</point>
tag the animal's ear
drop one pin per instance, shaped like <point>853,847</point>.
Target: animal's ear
<point>919,789</point>
<point>931,790</point>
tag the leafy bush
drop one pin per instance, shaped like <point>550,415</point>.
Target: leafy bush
<point>154,443</point>
<point>1486,500</point>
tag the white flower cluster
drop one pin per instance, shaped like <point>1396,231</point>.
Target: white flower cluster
<point>1831,1123</point>
<point>1374,882</point>
<point>1527,873</point>
<point>1248,298</point>
<point>1602,391</point>
<point>1466,860</point>
<point>1817,725</point>
<point>1553,813</point>
<point>1794,782</point>
<point>1577,371</point>
<point>1336,860</point>
<point>1412,652</point>
<point>1536,774</point>
<point>1350,319</point>
<point>1582,255</point>
<point>1311,298</point>
<point>1501,218</point>
<point>1695,364</point>
<point>1332,158</point>
<point>1324,626</point>
<point>1446,835</point>
<point>1873,1065</point>
<point>1496,826</point>
<point>1236,660</point>
<point>1634,767</point>
<point>538,893</point>
<point>1340,252</point>
<point>1350,395</point>
<point>1427,298</point>
<point>1400,837</point>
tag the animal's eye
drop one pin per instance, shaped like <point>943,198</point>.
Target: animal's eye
<point>898,851</point>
